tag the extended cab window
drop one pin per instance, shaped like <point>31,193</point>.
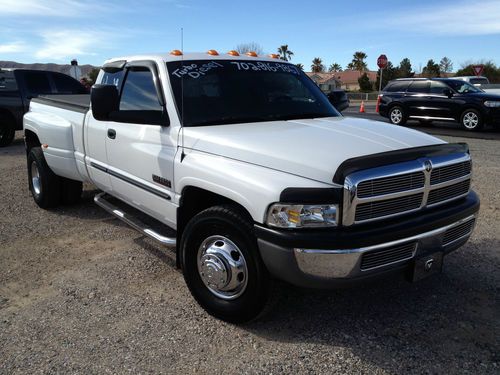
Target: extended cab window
<point>225,92</point>
<point>113,78</point>
<point>419,87</point>
<point>139,92</point>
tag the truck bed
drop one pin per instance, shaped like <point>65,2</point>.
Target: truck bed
<point>79,103</point>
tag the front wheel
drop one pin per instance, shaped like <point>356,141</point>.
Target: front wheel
<point>397,116</point>
<point>222,266</point>
<point>471,120</point>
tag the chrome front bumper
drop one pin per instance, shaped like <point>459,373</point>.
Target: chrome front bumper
<point>327,268</point>
<point>344,263</point>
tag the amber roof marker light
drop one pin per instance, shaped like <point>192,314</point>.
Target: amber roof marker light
<point>252,54</point>
<point>274,56</point>
<point>176,52</point>
<point>233,53</point>
<point>213,52</point>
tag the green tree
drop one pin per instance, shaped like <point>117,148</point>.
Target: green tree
<point>404,70</point>
<point>445,65</point>
<point>491,71</point>
<point>317,65</point>
<point>93,75</point>
<point>364,83</point>
<point>300,66</point>
<point>358,62</point>
<point>335,68</point>
<point>390,73</point>
<point>431,69</point>
<point>285,53</point>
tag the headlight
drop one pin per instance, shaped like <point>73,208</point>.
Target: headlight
<point>302,216</point>
<point>492,104</point>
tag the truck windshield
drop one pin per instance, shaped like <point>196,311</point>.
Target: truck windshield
<point>227,92</point>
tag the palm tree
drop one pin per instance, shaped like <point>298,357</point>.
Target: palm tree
<point>335,68</point>
<point>285,53</point>
<point>317,65</point>
<point>358,61</point>
<point>300,66</point>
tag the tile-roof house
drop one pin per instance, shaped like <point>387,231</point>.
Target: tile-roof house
<point>346,80</point>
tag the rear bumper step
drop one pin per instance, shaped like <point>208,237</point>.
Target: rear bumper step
<point>103,200</point>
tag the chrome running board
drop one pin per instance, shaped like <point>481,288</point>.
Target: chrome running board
<point>133,221</point>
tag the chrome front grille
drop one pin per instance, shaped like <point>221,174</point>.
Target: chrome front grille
<point>372,210</point>
<point>450,172</point>
<point>449,192</point>
<point>391,184</point>
<point>397,189</point>
<point>458,232</point>
<point>379,258</point>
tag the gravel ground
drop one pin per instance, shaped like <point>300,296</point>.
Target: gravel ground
<point>82,293</point>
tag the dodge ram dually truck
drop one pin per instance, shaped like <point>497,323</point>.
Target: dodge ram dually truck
<point>242,165</point>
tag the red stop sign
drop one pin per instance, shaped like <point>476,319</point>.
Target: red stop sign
<point>382,61</point>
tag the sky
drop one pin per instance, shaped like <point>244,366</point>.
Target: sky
<point>95,30</point>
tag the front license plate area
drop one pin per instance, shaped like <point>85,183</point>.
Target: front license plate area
<point>426,266</point>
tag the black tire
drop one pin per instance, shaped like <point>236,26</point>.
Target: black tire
<point>230,223</point>
<point>7,131</point>
<point>397,115</point>
<point>471,120</point>
<point>47,192</point>
<point>71,191</point>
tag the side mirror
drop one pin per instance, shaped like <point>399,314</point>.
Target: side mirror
<point>448,93</point>
<point>104,100</point>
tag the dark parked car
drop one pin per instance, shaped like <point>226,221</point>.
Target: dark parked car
<point>440,99</point>
<point>19,86</point>
<point>339,99</point>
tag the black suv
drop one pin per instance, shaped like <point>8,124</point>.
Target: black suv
<point>440,99</point>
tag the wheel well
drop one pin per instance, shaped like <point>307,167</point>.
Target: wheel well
<point>194,200</point>
<point>31,140</point>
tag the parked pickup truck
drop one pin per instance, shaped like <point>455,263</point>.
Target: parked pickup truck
<point>241,163</point>
<point>19,86</point>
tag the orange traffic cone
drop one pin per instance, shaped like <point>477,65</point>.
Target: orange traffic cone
<point>362,107</point>
<point>377,108</point>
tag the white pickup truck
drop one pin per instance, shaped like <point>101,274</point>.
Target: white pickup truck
<point>242,164</point>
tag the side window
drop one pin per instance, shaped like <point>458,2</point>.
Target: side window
<point>37,83</point>
<point>113,78</point>
<point>67,85</point>
<point>437,88</point>
<point>7,81</point>
<point>139,92</point>
<point>420,87</point>
<point>397,86</point>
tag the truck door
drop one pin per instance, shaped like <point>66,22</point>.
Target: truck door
<point>141,146</point>
<point>417,98</point>
<point>95,133</point>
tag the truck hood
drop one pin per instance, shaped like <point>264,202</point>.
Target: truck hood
<point>311,148</point>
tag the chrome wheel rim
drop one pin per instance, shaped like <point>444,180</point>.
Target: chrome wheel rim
<point>35,179</point>
<point>471,120</point>
<point>396,116</point>
<point>222,267</point>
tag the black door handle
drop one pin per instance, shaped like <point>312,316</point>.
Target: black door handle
<point>112,133</point>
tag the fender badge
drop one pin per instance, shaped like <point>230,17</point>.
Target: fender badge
<point>162,181</point>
